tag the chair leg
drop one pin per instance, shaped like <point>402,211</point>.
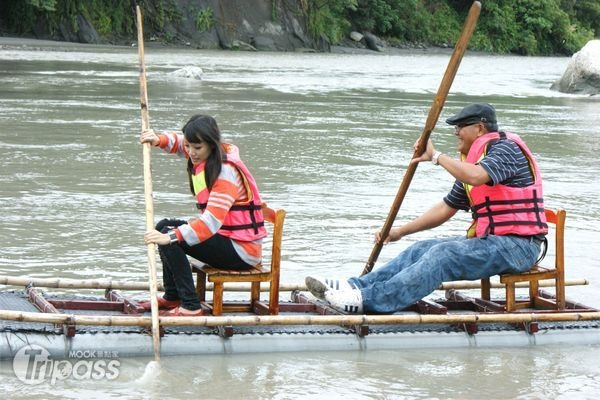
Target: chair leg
<point>254,293</point>
<point>485,288</point>
<point>510,297</point>
<point>560,294</point>
<point>533,293</point>
<point>201,285</point>
<point>218,298</point>
<point>273,299</point>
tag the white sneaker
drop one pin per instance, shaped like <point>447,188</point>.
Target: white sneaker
<point>349,301</point>
<point>318,286</point>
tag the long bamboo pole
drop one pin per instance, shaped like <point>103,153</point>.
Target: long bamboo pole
<point>256,320</point>
<point>66,283</point>
<point>151,248</point>
<point>434,113</point>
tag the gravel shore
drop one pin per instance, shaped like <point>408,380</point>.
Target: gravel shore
<point>20,43</point>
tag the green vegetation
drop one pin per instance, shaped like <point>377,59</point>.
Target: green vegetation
<point>529,27</point>
<point>204,20</point>
<point>532,27</point>
<point>159,14</point>
<point>110,18</point>
<point>326,18</point>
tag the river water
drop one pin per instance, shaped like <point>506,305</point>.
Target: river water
<point>328,137</point>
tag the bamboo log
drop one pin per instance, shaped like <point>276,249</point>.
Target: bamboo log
<point>347,320</point>
<point>66,283</point>
<point>497,285</point>
<point>146,149</point>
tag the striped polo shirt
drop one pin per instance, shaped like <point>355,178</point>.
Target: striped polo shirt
<point>505,163</point>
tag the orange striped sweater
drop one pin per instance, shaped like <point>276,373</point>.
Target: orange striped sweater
<point>227,189</point>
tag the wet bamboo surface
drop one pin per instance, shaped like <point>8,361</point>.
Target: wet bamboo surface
<point>65,283</point>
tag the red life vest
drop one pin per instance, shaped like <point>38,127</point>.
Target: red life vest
<point>501,209</point>
<point>244,221</point>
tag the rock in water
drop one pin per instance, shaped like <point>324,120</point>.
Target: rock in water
<point>582,75</point>
<point>188,72</point>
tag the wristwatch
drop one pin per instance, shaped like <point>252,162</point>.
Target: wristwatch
<point>435,156</point>
<point>173,237</point>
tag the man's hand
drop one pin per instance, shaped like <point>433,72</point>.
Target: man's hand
<point>427,154</point>
<point>392,236</point>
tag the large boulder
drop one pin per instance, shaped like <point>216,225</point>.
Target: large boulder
<point>372,42</point>
<point>86,32</point>
<point>582,75</point>
<point>82,32</point>
<point>265,24</point>
<point>265,43</point>
<point>356,36</point>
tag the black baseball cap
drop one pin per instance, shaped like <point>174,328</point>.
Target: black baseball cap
<point>474,113</point>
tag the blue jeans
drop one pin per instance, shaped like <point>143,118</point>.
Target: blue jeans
<point>422,267</point>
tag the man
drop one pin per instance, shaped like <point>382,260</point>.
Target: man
<point>498,180</point>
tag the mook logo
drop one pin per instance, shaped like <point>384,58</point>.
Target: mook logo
<point>33,365</point>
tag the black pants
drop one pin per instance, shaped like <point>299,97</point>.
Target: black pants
<point>177,274</point>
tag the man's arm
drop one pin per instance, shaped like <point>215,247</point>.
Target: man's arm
<point>435,216</point>
<point>471,174</point>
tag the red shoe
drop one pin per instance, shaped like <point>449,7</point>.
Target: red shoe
<point>177,312</point>
<point>163,304</point>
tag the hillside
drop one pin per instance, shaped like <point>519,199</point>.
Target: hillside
<point>528,27</point>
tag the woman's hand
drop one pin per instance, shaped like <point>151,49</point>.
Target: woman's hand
<point>149,136</point>
<point>392,236</point>
<point>156,237</point>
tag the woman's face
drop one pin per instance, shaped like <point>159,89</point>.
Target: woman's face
<point>198,152</point>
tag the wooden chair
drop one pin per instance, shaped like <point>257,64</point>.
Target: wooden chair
<point>256,275</point>
<point>537,273</point>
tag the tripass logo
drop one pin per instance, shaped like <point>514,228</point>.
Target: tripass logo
<point>33,364</point>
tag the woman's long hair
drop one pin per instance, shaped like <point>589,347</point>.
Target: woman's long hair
<point>203,129</point>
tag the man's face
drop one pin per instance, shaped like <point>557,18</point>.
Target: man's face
<point>466,134</point>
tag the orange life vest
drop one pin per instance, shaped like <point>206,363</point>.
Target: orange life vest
<point>501,209</point>
<point>244,221</point>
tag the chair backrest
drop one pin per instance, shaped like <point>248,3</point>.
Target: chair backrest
<point>558,217</point>
<point>276,217</point>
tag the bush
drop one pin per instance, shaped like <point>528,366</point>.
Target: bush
<point>528,27</point>
<point>204,20</point>
<point>505,26</point>
<point>328,18</point>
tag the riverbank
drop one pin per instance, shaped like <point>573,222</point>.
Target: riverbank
<point>20,43</point>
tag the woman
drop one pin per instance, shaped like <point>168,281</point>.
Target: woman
<point>229,231</point>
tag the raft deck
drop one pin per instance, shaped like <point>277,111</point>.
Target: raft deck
<point>301,326</point>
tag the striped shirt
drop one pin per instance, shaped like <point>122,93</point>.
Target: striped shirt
<point>226,190</point>
<point>505,163</point>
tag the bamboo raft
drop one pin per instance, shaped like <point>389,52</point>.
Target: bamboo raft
<point>64,323</point>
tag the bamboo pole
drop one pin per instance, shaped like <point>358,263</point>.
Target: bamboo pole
<point>151,248</point>
<point>67,283</point>
<point>434,113</point>
<point>348,320</point>
<point>103,284</point>
<point>497,285</point>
